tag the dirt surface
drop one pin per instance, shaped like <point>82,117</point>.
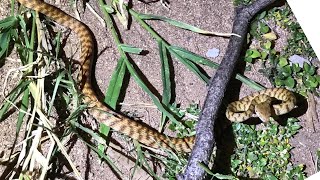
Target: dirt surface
<point>209,15</point>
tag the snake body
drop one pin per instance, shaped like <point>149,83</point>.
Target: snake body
<point>259,103</point>
<point>119,122</point>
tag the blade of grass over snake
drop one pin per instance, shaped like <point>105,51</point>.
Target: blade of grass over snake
<point>166,83</point>
<point>105,130</point>
<point>114,88</point>
<point>93,134</point>
<point>183,25</point>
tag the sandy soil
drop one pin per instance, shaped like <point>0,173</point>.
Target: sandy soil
<point>210,15</point>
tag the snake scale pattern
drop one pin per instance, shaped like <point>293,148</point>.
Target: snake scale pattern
<point>132,128</point>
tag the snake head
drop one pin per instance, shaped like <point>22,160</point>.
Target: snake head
<point>263,111</point>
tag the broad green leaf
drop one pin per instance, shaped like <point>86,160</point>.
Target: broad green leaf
<point>4,42</point>
<point>264,28</point>
<point>295,67</point>
<point>264,55</point>
<point>306,67</point>
<point>254,53</point>
<point>286,71</point>
<point>267,45</point>
<point>283,61</point>
<point>270,36</point>
<point>289,82</point>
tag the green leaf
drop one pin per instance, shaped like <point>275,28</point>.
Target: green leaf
<point>312,81</point>
<point>255,53</point>
<point>262,15</point>
<point>312,70</point>
<point>248,59</point>
<point>289,82</point>
<point>166,79</point>
<point>264,28</point>
<point>12,97</point>
<point>267,45</point>
<point>317,78</point>
<point>283,61</point>
<point>306,67</point>
<point>191,66</point>
<point>23,109</point>
<point>296,68</point>
<point>264,55</point>
<point>4,42</point>
<point>286,71</point>
<point>105,130</point>
<point>252,157</point>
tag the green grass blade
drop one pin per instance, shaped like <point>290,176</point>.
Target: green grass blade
<point>100,140</point>
<point>183,25</point>
<point>12,97</point>
<point>154,98</point>
<point>142,160</point>
<point>4,42</point>
<point>55,90</point>
<point>8,22</point>
<point>166,83</point>
<point>23,26</point>
<point>194,57</point>
<point>250,82</point>
<point>115,84</point>
<point>165,72</point>
<point>204,61</point>
<point>23,107</point>
<point>105,130</point>
<point>130,49</point>
<point>191,66</point>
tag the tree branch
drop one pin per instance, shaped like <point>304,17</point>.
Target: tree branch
<point>205,141</point>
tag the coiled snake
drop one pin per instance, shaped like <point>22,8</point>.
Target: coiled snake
<point>120,123</point>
